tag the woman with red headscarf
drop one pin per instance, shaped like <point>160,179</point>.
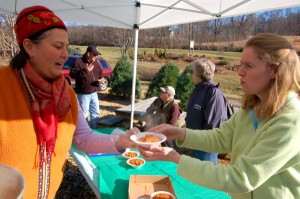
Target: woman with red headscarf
<point>39,112</point>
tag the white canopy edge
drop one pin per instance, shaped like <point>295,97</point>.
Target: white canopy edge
<point>146,14</point>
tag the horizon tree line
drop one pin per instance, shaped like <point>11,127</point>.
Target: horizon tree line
<point>285,22</point>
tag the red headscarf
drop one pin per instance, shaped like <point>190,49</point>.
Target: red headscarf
<point>35,19</point>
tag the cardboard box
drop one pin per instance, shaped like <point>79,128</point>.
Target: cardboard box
<point>141,186</point>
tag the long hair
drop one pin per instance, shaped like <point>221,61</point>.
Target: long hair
<point>280,56</point>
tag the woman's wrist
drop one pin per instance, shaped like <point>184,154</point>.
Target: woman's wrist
<point>182,134</point>
<point>118,145</point>
<point>177,159</point>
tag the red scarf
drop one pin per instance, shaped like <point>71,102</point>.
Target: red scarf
<point>51,103</point>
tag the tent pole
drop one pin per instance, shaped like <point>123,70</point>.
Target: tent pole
<point>136,40</point>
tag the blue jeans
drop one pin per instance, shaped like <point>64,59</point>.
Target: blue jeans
<point>90,106</point>
<point>202,155</point>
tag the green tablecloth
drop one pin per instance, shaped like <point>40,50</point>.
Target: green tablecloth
<point>114,177</point>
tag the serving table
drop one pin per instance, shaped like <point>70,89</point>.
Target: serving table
<point>108,175</point>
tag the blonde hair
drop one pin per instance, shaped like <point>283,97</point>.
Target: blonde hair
<point>280,56</point>
<point>204,68</point>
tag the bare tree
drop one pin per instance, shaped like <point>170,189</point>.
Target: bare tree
<point>284,22</point>
<point>8,43</point>
<point>216,28</point>
<point>201,31</point>
<point>123,39</point>
<point>292,21</point>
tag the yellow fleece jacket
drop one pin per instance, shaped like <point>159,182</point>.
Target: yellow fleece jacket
<point>18,142</point>
<point>265,162</point>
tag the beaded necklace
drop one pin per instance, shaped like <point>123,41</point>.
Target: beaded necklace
<point>44,157</point>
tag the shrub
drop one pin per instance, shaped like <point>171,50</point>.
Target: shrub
<point>184,87</point>
<point>159,53</point>
<point>184,56</point>
<point>223,62</point>
<point>74,51</point>
<point>174,56</point>
<point>156,52</point>
<point>131,54</point>
<point>164,53</point>
<point>166,76</point>
<point>121,80</point>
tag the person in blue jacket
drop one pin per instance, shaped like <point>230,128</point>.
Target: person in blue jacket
<point>206,108</point>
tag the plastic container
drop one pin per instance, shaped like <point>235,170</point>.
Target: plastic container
<point>12,183</point>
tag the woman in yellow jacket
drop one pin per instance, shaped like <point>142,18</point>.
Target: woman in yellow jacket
<point>39,112</point>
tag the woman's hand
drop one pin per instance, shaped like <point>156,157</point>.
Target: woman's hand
<point>133,131</point>
<point>172,132</point>
<point>160,153</point>
<point>124,140</point>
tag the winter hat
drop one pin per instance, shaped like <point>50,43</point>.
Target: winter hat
<point>35,19</point>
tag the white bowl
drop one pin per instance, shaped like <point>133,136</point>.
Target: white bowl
<point>136,162</point>
<point>131,154</point>
<point>171,196</point>
<point>136,138</point>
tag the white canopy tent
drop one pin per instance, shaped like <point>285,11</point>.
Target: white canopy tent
<point>145,14</point>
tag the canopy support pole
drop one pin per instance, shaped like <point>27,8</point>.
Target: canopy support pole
<point>136,40</point>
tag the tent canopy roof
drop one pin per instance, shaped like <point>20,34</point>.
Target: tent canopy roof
<point>146,13</point>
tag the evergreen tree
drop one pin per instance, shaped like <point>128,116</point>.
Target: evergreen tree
<point>166,76</point>
<point>121,80</point>
<point>184,87</point>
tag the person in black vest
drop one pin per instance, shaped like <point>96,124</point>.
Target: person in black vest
<point>164,110</point>
<point>206,108</point>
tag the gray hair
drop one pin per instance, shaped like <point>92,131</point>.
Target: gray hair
<point>204,68</point>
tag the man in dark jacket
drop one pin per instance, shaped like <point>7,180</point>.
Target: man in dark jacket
<point>86,71</point>
<point>206,108</point>
<point>163,110</point>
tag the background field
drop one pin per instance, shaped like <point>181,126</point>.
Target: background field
<point>148,65</point>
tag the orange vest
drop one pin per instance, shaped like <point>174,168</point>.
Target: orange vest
<point>18,141</point>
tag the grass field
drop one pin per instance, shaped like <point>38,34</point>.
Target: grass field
<point>113,53</point>
<point>146,69</point>
<point>228,79</point>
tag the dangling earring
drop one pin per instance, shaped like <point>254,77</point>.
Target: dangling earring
<point>31,61</point>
